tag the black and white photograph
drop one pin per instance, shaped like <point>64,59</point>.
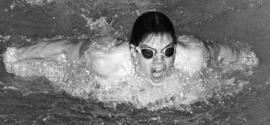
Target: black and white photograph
<point>134,62</point>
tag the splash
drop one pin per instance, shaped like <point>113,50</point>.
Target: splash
<point>93,77</point>
<point>38,2</point>
<point>180,89</point>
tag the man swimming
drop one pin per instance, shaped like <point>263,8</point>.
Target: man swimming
<point>153,54</point>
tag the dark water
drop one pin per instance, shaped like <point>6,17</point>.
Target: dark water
<point>34,101</point>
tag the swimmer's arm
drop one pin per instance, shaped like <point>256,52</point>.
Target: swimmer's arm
<point>51,50</point>
<point>223,54</point>
<point>219,53</point>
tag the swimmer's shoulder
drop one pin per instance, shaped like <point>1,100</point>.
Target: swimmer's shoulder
<point>191,54</point>
<point>190,42</point>
<point>112,63</point>
<point>77,48</point>
<point>190,45</point>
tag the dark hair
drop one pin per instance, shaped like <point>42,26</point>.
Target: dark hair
<point>151,23</point>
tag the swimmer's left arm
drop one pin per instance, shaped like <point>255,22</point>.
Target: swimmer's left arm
<point>218,53</point>
<point>228,56</point>
<point>223,54</point>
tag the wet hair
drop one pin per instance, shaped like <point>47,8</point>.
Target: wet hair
<point>151,23</point>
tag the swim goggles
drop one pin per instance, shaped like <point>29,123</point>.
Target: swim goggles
<point>148,52</point>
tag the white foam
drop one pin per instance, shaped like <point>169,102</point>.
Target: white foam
<point>108,75</point>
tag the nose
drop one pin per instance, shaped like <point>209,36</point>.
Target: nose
<point>159,59</point>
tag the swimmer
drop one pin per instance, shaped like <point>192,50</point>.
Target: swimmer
<point>153,47</point>
<point>153,53</point>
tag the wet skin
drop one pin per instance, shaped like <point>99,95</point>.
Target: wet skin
<point>156,68</point>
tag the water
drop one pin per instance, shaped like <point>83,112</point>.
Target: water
<point>34,101</point>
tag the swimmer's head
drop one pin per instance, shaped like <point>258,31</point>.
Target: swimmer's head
<point>151,23</point>
<point>152,45</point>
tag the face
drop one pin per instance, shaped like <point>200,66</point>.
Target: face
<point>155,56</point>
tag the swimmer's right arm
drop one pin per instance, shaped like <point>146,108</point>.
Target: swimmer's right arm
<point>53,51</point>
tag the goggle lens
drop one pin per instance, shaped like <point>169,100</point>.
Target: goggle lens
<point>169,52</point>
<point>147,53</point>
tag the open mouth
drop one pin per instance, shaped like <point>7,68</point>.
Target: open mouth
<point>157,75</point>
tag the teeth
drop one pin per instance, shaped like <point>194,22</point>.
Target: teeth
<point>157,70</point>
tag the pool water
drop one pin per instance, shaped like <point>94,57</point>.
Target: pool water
<point>27,101</point>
